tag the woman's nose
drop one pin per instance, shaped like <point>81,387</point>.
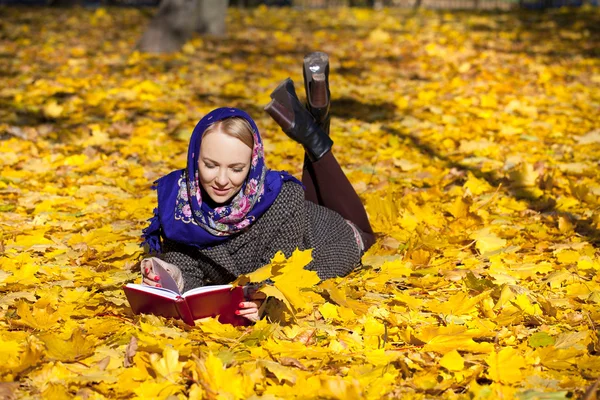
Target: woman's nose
<point>222,179</point>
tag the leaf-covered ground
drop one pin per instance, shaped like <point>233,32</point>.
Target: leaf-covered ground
<point>473,140</point>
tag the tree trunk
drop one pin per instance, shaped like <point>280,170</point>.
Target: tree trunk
<point>176,20</point>
<point>211,17</point>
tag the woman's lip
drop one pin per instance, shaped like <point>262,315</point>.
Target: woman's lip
<point>220,191</point>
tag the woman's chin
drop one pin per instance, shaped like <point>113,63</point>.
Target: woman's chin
<point>221,198</point>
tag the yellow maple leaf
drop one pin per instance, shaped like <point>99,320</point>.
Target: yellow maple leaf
<point>9,354</point>
<point>292,277</point>
<point>372,326</point>
<point>505,365</point>
<point>281,372</point>
<point>524,176</point>
<point>411,302</point>
<point>587,263</point>
<point>329,311</point>
<point>394,269</point>
<point>453,361</point>
<point>452,337</point>
<point>273,291</point>
<point>33,238</point>
<point>381,357</point>
<point>460,207</point>
<point>56,390</point>
<point>477,186</point>
<point>261,274</point>
<point>487,241</point>
<point>559,359</point>
<point>156,390</point>
<point>39,318</point>
<point>337,388</point>
<point>26,275</point>
<point>219,380</point>
<point>72,349</point>
<point>458,304</point>
<point>168,366</point>
<point>338,295</point>
<point>32,356</point>
<point>568,256</point>
<point>524,304</point>
<point>53,110</point>
<point>98,136</point>
<point>379,36</point>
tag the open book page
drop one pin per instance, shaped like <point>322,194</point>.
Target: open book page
<point>162,292</point>
<point>206,289</point>
<point>166,280</point>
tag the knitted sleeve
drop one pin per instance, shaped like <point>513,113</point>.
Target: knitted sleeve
<point>281,228</point>
<point>290,233</point>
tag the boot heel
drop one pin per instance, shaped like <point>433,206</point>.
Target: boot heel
<point>281,115</point>
<point>316,84</point>
<point>316,73</point>
<point>318,92</point>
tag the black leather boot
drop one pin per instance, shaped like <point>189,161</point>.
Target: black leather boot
<point>297,122</point>
<point>316,85</point>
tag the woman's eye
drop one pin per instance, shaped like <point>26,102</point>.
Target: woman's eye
<point>238,170</point>
<point>209,166</point>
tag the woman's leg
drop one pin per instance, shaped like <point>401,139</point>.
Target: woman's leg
<point>310,190</point>
<point>308,180</point>
<point>325,182</point>
<point>331,188</point>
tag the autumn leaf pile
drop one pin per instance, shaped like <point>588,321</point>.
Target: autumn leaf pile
<point>473,140</point>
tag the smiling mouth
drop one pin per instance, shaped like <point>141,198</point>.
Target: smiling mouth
<point>220,191</point>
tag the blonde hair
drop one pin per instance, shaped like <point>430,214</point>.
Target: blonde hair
<point>236,127</point>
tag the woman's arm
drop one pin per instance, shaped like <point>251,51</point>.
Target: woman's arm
<point>284,227</point>
<point>187,261</point>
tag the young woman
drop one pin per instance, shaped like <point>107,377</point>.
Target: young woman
<point>226,214</point>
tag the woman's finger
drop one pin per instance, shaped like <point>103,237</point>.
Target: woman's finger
<point>149,273</point>
<point>248,305</point>
<point>247,311</point>
<point>150,282</point>
<point>252,317</point>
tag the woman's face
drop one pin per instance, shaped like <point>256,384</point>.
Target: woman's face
<point>224,164</point>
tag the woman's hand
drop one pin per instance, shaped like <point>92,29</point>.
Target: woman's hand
<point>250,309</point>
<point>148,276</point>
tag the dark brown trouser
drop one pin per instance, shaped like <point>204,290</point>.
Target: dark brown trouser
<point>327,185</point>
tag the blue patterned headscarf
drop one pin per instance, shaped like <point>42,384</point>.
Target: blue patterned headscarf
<point>183,217</point>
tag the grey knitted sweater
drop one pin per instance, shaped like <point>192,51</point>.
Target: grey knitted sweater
<point>291,222</point>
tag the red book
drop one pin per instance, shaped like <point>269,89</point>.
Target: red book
<point>208,301</point>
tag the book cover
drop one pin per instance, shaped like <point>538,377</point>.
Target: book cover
<point>201,302</point>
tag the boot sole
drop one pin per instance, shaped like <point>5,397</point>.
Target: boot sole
<point>315,74</point>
